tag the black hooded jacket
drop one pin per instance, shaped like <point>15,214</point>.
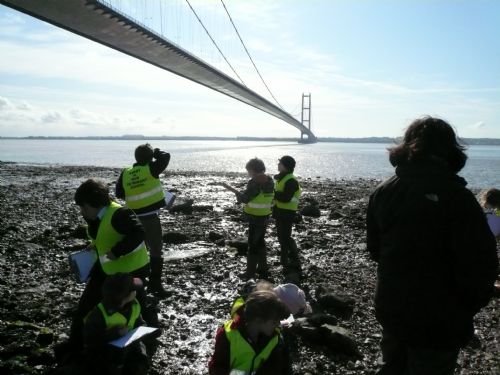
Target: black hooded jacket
<point>436,256</point>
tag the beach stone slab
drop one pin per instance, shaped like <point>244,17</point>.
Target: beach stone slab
<point>175,238</point>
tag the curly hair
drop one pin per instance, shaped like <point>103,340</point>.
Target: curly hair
<point>490,199</point>
<point>255,165</point>
<point>429,138</point>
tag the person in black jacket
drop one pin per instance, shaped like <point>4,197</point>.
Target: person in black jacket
<point>436,257</point>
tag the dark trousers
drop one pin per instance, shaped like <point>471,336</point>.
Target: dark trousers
<point>152,234</point>
<point>289,253</point>
<point>92,296</point>
<point>402,359</point>
<point>256,257</point>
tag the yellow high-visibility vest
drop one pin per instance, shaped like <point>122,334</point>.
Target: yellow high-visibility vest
<point>242,356</point>
<point>293,205</point>
<point>141,188</point>
<point>107,237</point>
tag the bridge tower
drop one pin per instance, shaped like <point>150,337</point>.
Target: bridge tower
<point>305,118</point>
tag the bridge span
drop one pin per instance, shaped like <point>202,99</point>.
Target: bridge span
<point>100,22</point>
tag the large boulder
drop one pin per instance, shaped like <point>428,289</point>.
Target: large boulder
<point>339,340</point>
<point>334,338</point>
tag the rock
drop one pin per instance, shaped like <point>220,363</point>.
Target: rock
<point>318,319</point>
<point>64,229</point>
<point>312,211</point>
<point>203,208</point>
<point>214,236</point>
<point>306,245</point>
<point>175,237</point>
<point>335,215</point>
<point>40,356</point>
<point>80,232</point>
<point>45,337</point>
<point>341,305</point>
<point>241,245</point>
<point>185,207</point>
<point>335,338</point>
<point>339,340</point>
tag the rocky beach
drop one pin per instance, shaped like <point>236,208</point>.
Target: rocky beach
<point>204,246</point>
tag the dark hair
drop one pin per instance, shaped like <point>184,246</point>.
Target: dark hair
<point>429,138</point>
<point>288,162</point>
<point>265,305</point>
<point>94,193</point>
<point>255,165</point>
<point>144,153</point>
<point>116,288</point>
<point>491,198</point>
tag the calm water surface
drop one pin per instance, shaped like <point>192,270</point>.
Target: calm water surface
<point>325,160</point>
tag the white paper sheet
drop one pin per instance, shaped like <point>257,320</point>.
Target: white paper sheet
<point>132,336</point>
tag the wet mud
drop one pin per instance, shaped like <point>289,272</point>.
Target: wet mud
<point>40,226</point>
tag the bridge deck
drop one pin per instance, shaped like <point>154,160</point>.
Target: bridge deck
<point>102,24</point>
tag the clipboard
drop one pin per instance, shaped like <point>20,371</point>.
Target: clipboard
<point>81,263</point>
<point>169,199</point>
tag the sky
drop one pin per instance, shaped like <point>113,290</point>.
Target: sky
<point>371,68</point>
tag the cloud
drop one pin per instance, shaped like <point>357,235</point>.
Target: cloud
<point>479,125</point>
<point>51,117</point>
<point>5,104</point>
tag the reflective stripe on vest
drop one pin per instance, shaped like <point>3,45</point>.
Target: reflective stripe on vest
<point>293,205</point>
<point>107,237</point>
<point>117,319</point>
<point>141,188</point>
<point>242,357</point>
<point>261,205</point>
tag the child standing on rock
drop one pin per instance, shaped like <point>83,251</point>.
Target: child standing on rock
<point>258,198</point>
<point>287,194</point>
<point>251,343</point>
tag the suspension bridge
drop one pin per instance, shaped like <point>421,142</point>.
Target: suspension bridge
<point>106,23</point>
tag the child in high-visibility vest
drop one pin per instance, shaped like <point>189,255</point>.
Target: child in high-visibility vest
<point>117,314</point>
<point>251,343</point>
<point>258,198</point>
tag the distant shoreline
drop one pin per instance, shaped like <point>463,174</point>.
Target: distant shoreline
<point>386,140</point>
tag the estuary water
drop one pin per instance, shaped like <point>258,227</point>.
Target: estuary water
<point>323,160</point>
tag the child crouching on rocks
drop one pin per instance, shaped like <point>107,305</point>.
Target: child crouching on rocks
<point>490,200</point>
<point>117,314</point>
<point>251,343</point>
<point>290,294</point>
